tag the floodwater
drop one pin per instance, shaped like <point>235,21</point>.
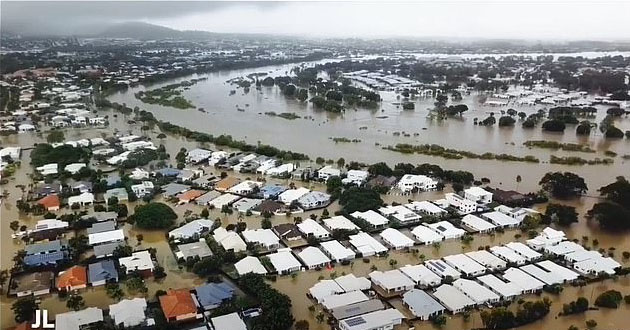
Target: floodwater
<point>375,128</point>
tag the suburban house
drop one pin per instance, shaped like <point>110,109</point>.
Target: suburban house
<point>463,205</point>
<point>313,258</point>
<point>178,306</point>
<point>366,244</point>
<point>284,262</point>
<point>477,292</point>
<point>140,261</point>
<point>452,298</point>
<point>79,320</point>
<point>50,202</point>
<point>421,275</point>
<point>229,322</point>
<point>445,229</point>
<point>105,237</point>
<point>82,199</point>
<point>102,272</point>
<point>426,207</point>
<point>194,250</point>
<point>478,195</point>
<point>400,213</point>
<point>426,235</point>
<point>411,182</point>
<point>245,188</point>
<point>340,222</point>
<point>264,238</point>
<point>289,196</point>
<point>355,177</point>
<point>193,229</point>
<point>44,254</point>
<point>396,239</point>
<point>372,218</point>
<point>229,240</point>
<point>212,295</point>
<point>328,172</point>
<point>310,228</point>
<point>196,156</point>
<point>120,194</point>
<point>336,251</point>
<point>31,284</point>
<point>477,224</point>
<point>143,188</point>
<point>129,313</point>
<point>383,319</point>
<point>287,231</point>
<point>74,278</point>
<point>391,281</point>
<point>313,200</point>
<point>421,304</point>
<point>248,265</point>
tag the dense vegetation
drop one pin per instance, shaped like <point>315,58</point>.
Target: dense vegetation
<point>276,306</point>
<point>153,216</point>
<point>558,145</point>
<point>563,215</point>
<point>63,155</point>
<point>169,95</point>
<point>503,318</point>
<point>359,199</point>
<point>613,213</point>
<point>448,153</point>
<point>563,185</point>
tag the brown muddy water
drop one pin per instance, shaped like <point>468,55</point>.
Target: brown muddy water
<point>297,288</point>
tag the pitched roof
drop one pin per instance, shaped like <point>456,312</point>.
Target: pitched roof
<point>177,302</point>
<point>104,270</point>
<point>212,294</point>
<point>74,276</point>
<point>50,201</point>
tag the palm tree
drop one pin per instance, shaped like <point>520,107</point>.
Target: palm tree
<point>518,181</point>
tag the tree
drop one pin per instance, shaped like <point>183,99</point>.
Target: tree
<point>380,169</point>
<point>553,125</point>
<point>613,133</point>
<point>24,309</point>
<point>302,325</point>
<point>55,137</point>
<point>609,299</point>
<point>154,216</point>
<point>584,128</point>
<point>276,306</point>
<point>135,283</point>
<point>75,302</point>
<point>563,185</point>
<point>506,121</point>
<point>614,212</point>
<point>205,213</point>
<point>498,318</point>
<point>114,291</point>
<point>564,215</point>
<point>359,199</point>
<point>265,223</point>
<point>333,186</point>
<point>14,225</point>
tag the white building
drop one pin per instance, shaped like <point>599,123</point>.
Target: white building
<point>328,172</point>
<point>421,275</point>
<point>508,255</point>
<point>400,213</point>
<point>463,206</point>
<point>48,169</point>
<point>336,251</point>
<point>106,237</point>
<point>543,275</point>
<point>426,207</point>
<point>340,223</point>
<point>421,304</point>
<point>138,261</point>
<point>446,229</point>
<point>198,155</point>
<point>391,281</point>
<point>477,292</point>
<point>351,283</point>
<point>265,238</point>
<point>426,235</point>
<point>410,182</point>
<point>478,195</point>
<point>130,313</point>
<point>442,269</point>
<point>452,298</point>
<point>310,227</point>
<point>284,262</point>
<point>465,265</point>
<point>355,177</point>
<point>191,229</point>
<point>324,288</point>
<point>374,219</point>
<point>524,251</point>
<point>291,195</point>
<point>229,240</point>
<point>477,224</point>
<point>82,199</point>
<point>313,258</point>
<point>230,321</point>
<point>248,265</point>
<point>383,319</point>
<point>487,260</point>
<point>507,290</point>
<point>548,237</point>
<point>245,188</point>
<point>396,239</point>
<point>142,189</point>
<point>343,299</point>
<point>501,220</point>
<point>597,266</point>
<point>74,167</point>
<point>366,244</point>
<point>526,282</point>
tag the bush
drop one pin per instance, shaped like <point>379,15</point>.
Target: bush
<point>154,216</point>
<point>609,299</point>
<point>553,125</point>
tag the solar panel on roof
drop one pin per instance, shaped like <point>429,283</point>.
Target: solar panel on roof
<point>355,321</point>
<point>440,228</point>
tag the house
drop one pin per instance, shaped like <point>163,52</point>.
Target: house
<point>421,304</point>
<point>216,157</point>
<point>111,236</point>
<point>426,207</point>
<point>597,266</point>
<point>102,272</point>
<point>81,187</point>
<point>477,224</point>
<point>548,237</point>
<point>267,206</point>
<point>396,239</point>
<point>282,171</point>
<point>245,205</point>
<point>313,200</point>
<point>193,229</point>
<point>229,240</point>
<point>372,218</point>
<point>100,217</point>
<point>547,277</point>
<point>478,195</point>
<point>106,250</point>
<point>46,189</point>
<point>138,261</point>
<point>382,182</point>
<point>511,197</point>
<point>452,298</point>
<point>139,174</point>
<point>284,262</point>
<point>46,229</point>
<point>563,248</point>
<point>143,188</point>
<point>82,200</point>
<point>355,177</point>
<point>310,227</point>
<point>366,244</point>
<point>323,289</point>
<point>129,313</point>
<point>245,188</point>
<point>226,183</point>
<point>194,250</point>
<point>328,172</point>
<point>445,229</point>
<point>507,290</point>
<point>381,319</point>
<point>173,189</point>
<point>205,181</point>
<point>212,295</point>
<point>487,260</point>
<point>524,251</point>
<point>313,258</point>
<point>79,319</point>
<point>119,193</point>
<point>178,306</point>
<point>340,222</point>
<point>351,283</point>
<point>74,278</point>
<point>465,265</point>
<point>526,282</point>
<point>518,213</point>
<point>229,322</point>
<point>271,191</point>
<point>248,265</point>
<point>189,196</point>
<point>508,255</point>
<point>411,182</point>
<point>336,251</point>
<point>44,254</point>
<point>391,281</point>
<point>31,284</point>
<point>223,200</point>
<point>426,235</point>
<point>421,275</point>
<point>196,156</point>
<point>206,198</point>
<point>50,202</point>
<point>264,238</point>
<point>475,291</point>
<point>501,220</point>
<point>442,269</point>
<point>289,196</point>
<point>343,299</point>
<point>287,231</point>
<point>399,213</point>
<point>74,167</point>
<point>462,205</point>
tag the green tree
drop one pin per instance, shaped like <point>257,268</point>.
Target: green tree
<point>359,199</point>
<point>154,216</point>
<point>609,299</point>
<point>114,291</point>
<point>75,302</point>
<point>55,137</point>
<point>24,309</point>
<point>563,185</point>
<point>563,215</point>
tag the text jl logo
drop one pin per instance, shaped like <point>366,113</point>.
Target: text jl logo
<point>41,320</point>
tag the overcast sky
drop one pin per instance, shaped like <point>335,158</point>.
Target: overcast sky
<point>529,19</point>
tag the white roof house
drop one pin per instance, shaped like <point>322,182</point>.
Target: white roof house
<point>545,276</point>
<point>313,258</point>
<point>250,264</point>
<point>198,155</point>
<point>372,217</point>
<point>245,188</point>
<point>281,170</point>
<point>225,199</point>
<point>507,290</point>
<point>313,200</point>
<point>501,220</point>
<point>547,237</point>
<point>130,313</point>
<point>391,281</point>
<point>526,282</point>
<point>142,188</point>
<point>487,259</point>
<point>74,167</point>
<point>410,182</point>
<point>464,264</point>
<point>582,255</point>
<point>453,299</point>
<point>284,262</point>
<point>291,195</point>
<point>396,239</point>
<point>77,320</point>
<point>400,214</point>
<point>442,269</point>
<point>523,250</point>
<point>563,248</point>
<point>366,244</point>
<point>421,304</point>
<point>343,299</point>
<point>324,288</point>
<point>263,237</point>
<point>508,255</point>
<point>139,174</point>
<point>446,229</point>
<point>352,283</point>
<point>327,172</point>
<point>463,206</point>
<point>356,177</point>
<point>475,291</point>
<point>421,275</point>
<point>229,240</point>
<point>564,273</point>
<point>478,195</point>
<point>138,261</point>
<point>477,224</point>
<point>106,237</point>
<point>340,222</point>
<point>310,227</point>
<point>229,322</point>
<point>426,235</point>
<point>426,207</point>
<point>191,229</point>
<point>82,199</point>
<point>383,319</point>
<point>336,251</point>
<point>47,169</point>
<point>596,266</point>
